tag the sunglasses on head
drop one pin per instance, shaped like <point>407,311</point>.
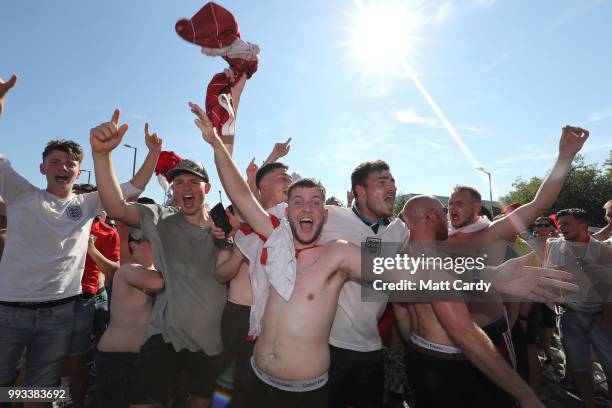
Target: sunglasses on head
<point>542,225</point>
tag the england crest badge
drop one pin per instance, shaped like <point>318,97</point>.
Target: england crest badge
<point>74,212</point>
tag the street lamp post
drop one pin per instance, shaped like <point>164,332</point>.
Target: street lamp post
<point>480,168</point>
<point>134,162</point>
<point>88,175</point>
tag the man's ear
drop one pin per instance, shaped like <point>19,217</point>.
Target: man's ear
<point>207,187</point>
<point>325,213</point>
<point>42,168</point>
<point>359,191</point>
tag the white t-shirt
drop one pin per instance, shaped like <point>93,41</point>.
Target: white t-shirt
<point>45,249</point>
<point>355,326</point>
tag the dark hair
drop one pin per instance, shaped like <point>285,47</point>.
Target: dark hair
<point>474,194</point>
<point>485,211</point>
<point>268,168</point>
<point>73,149</point>
<point>579,214</point>
<point>363,170</point>
<point>145,200</point>
<point>546,220</point>
<point>84,188</point>
<point>306,183</point>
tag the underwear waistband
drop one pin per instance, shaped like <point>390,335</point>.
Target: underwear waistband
<point>289,385</point>
<point>430,345</point>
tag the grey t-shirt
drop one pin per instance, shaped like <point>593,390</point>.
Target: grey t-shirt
<point>187,313</point>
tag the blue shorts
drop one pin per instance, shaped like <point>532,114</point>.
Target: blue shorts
<point>46,332</point>
<point>580,331</point>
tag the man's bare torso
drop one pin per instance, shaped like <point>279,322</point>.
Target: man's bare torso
<point>483,242</point>
<point>293,342</point>
<point>240,287</point>
<point>130,314</point>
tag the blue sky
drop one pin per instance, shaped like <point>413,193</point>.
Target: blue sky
<point>507,74</point>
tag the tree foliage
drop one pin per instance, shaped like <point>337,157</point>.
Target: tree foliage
<point>588,186</point>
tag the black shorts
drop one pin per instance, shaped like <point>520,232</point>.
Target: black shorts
<point>356,378</point>
<point>114,373</point>
<point>254,393</point>
<point>534,321</point>
<point>441,383</point>
<point>158,366</point>
<point>234,332</point>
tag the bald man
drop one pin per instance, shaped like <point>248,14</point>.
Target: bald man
<point>446,350</point>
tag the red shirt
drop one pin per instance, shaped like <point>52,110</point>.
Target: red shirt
<point>107,242</point>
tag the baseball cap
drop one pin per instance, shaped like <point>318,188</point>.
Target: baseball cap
<point>188,166</point>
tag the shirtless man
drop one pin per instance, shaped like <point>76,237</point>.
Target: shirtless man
<point>291,356</point>
<point>118,348</point>
<point>446,349</point>
<point>269,184</point>
<point>491,238</point>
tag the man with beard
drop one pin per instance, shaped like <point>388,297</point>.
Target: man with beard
<point>356,372</point>
<point>184,332</point>
<point>269,184</point>
<point>449,360</point>
<point>490,238</point>
<point>291,356</point>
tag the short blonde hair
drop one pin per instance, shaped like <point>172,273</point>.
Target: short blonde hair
<point>608,204</point>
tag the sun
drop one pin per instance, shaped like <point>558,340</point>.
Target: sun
<point>382,34</point>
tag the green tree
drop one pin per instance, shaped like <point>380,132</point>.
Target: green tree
<point>608,164</point>
<point>588,186</point>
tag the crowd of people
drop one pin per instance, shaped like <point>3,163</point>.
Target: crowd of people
<point>265,303</point>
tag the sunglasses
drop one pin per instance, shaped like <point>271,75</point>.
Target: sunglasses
<point>542,225</point>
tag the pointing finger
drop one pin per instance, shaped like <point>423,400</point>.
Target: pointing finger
<point>115,118</point>
<point>287,142</point>
<point>147,129</point>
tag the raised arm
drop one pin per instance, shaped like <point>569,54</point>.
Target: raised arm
<point>4,88</point>
<point>572,140</point>
<point>457,322</point>
<point>251,172</point>
<point>233,183</point>
<point>145,172</point>
<point>104,138</point>
<point>279,150</point>
<point>107,266</point>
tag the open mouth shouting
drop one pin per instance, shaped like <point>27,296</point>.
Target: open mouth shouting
<point>188,201</point>
<point>61,178</point>
<point>306,224</point>
<point>454,216</point>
